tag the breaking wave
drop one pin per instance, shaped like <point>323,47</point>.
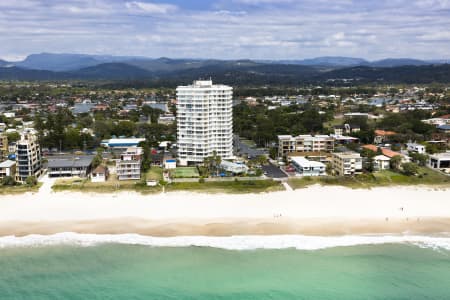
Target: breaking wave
<point>299,242</point>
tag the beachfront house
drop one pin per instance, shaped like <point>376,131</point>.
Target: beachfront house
<point>234,168</point>
<point>305,167</point>
<point>347,163</point>
<point>381,162</point>
<point>100,174</point>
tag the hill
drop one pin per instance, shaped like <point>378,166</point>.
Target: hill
<point>243,72</point>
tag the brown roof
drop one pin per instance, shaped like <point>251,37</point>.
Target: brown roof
<point>99,170</point>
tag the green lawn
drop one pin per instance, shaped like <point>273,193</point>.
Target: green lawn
<point>155,173</point>
<point>232,187</point>
<point>187,172</point>
<point>384,178</point>
<point>110,186</point>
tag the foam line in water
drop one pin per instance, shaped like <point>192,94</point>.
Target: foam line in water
<point>300,242</point>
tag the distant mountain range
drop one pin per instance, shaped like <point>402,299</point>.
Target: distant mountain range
<point>47,66</point>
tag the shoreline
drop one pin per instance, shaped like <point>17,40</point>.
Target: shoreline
<point>436,227</point>
<point>317,210</point>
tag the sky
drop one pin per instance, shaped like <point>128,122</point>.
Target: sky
<point>227,29</point>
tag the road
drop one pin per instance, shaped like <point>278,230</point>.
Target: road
<point>274,172</point>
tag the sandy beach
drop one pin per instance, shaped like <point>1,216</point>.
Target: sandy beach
<point>312,211</point>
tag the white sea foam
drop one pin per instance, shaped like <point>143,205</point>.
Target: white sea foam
<point>300,242</point>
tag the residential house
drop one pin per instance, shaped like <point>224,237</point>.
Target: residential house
<point>381,162</point>
<point>388,152</point>
<point>100,174</point>
<point>346,129</point>
<point>382,136</point>
<point>234,168</point>
<point>414,147</point>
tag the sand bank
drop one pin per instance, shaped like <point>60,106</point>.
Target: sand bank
<point>312,211</point>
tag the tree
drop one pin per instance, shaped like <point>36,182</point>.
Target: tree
<point>420,159</point>
<point>273,153</point>
<point>146,159</point>
<point>124,128</point>
<point>13,137</point>
<point>98,158</point>
<point>395,162</point>
<point>410,169</point>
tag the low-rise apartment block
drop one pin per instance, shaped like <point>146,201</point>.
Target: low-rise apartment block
<point>129,165</point>
<point>306,167</point>
<point>304,143</point>
<point>70,166</point>
<point>347,163</point>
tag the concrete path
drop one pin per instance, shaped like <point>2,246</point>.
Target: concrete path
<point>287,187</point>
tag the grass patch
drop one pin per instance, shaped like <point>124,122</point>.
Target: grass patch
<point>384,178</point>
<point>110,186</point>
<point>155,173</point>
<point>232,187</point>
<point>19,189</point>
<point>187,172</point>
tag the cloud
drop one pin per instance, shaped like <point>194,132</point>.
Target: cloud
<point>269,29</point>
<point>150,8</point>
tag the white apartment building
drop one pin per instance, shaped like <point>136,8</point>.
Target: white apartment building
<point>347,163</point>
<point>129,165</point>
<point>304,143</point>
<point>28,157</point>
<point>204,121</point>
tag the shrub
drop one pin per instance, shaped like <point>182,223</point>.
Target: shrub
<point>8,180</point>
<point>410,169</point>
<point>31,181</point>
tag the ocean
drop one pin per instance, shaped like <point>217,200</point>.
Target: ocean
<point>71,266</point>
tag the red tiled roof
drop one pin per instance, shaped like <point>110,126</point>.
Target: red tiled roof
<point>386,152</point>
<point>384,133</point>
<point>389,153</point>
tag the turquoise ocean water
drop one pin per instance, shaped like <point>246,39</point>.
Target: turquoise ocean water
<point>121,271</point>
